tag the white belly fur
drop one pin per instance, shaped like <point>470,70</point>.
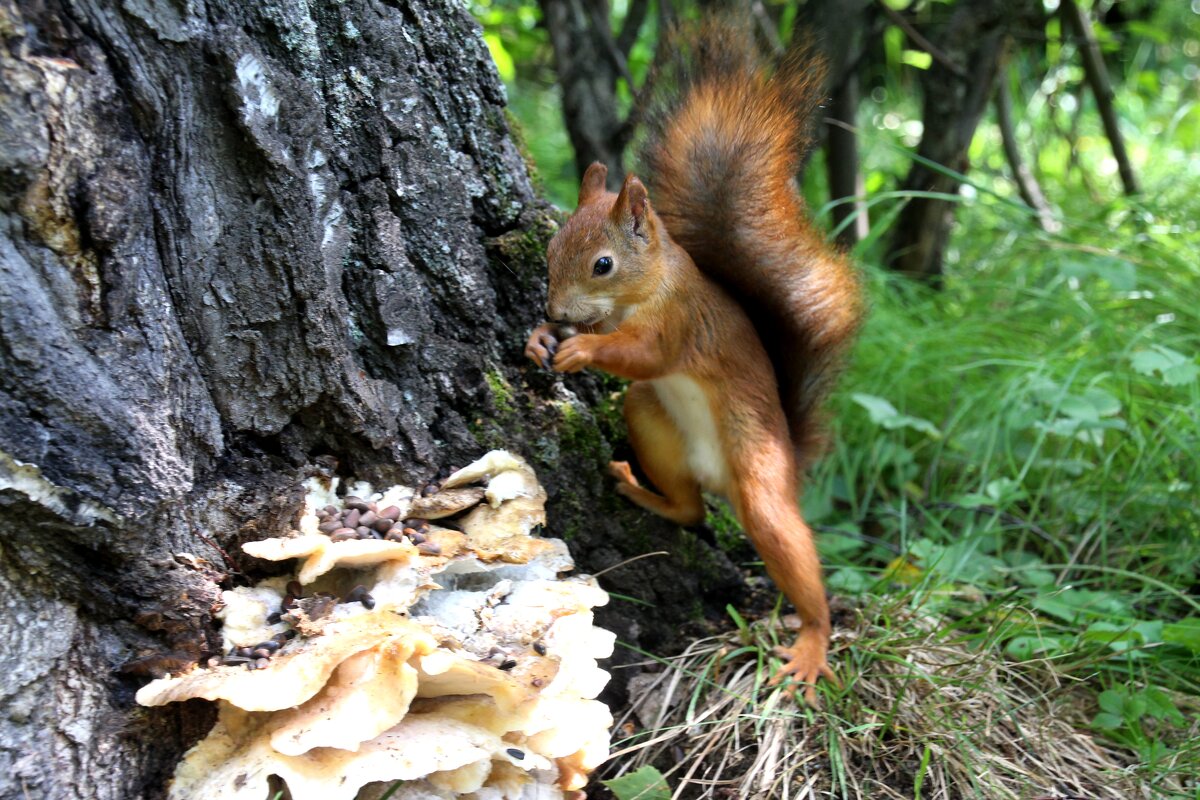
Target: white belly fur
<point>688,406</point>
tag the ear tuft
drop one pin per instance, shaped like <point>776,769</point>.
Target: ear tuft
<point>593,181</point>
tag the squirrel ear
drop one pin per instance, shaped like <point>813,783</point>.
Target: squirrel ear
<point>632,209</point>
<point>593,181</point>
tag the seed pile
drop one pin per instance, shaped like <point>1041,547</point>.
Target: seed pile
<point>362,519</point>
<point>256,656</point>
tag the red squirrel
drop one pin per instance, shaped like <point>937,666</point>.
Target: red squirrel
<point>724,307</point>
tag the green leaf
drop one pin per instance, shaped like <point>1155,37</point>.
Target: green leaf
<point>1023,648</point>
<point>1175,368</point>
<point>1072,605</point>
<point>646,783</point>
<point>884,414</point>
<point>832,543</point>
<point>1107,721</point>
<point>1079,408</point>
<point>1160,706</point>
<point>1113,702</point>
<point>847,581</point>
<point>916,58</point>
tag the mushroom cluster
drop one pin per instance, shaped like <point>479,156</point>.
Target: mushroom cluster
<point>462,669</point>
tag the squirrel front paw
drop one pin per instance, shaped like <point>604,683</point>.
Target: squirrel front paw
<point>542,345</point>
<point>573,355</point>
<point>804,663</point>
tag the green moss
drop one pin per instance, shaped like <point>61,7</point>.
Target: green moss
<point>502,392</point>
<point>580,433</point>
<point>523,250</point>
<point>721,519</point>
<point>516,133</point>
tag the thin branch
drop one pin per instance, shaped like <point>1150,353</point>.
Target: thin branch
<point>841,163</point>
<point>642,95</point>
<point>1027,184</point>
<point>766,28</point>
<point>1097,78</point>
<point>631,26</point>
<point>920,41</point>
<point>604,34</point>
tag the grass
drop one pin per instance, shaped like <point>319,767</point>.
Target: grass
<point>924,712</point>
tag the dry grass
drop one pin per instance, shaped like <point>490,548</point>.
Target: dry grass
<point>922,715</point>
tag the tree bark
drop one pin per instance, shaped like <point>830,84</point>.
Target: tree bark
<point>240,242</point>
<point>956,88</point>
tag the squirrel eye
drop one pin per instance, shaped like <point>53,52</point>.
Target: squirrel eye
<point>603,266</point>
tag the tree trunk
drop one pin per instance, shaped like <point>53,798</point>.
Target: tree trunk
<point>587,77</point>
<point>968,50</point>
<point>239,241</point>
<point>842,29</point>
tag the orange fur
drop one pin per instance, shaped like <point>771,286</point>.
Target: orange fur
<point>727,310</point>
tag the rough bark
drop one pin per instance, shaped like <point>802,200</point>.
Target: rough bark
<point>239,242</point>
<point>968,49</point>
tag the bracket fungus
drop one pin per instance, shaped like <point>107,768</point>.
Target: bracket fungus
<point>457,662</point>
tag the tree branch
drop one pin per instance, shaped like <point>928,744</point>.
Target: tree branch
<point>1027,184</point>
<point>1097,78</point>
<point>920,41</point>
<point>632,26</point>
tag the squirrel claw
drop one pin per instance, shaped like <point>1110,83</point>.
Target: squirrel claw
<point>542,347</point>
<point>623,473</point>
<point>805,664</point>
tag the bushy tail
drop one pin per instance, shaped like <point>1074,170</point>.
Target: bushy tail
<point>721,159</point>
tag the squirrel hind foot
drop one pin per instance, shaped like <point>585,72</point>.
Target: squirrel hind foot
<point>623,473</point>
<point>804,663</point>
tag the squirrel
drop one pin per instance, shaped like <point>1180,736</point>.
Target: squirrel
<point>723,306</point>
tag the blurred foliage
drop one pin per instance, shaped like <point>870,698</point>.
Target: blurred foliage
<point>1034,427</point>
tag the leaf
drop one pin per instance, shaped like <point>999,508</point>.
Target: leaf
<point>833,543</point>
<point>916,58</point>
<point>1113,702</point>
<point>1072,605</point>
<point>1175,368</point>
<point>1105,403</point>
<point>884,414</point>
<point>1117,273</point>
<point>1107,721</point>
<point>1004,490</point>
<point>1119,638</point>
<point>1023,648</point>
<point>1079,408</point>
<point>1160,706</point>
<point>646,783</point>
<point>847,581</point>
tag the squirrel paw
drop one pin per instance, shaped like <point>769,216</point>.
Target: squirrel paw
<point>542,345</point>
<point>573,355</point>
<point>623,473</point>
<point>804,663</point>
